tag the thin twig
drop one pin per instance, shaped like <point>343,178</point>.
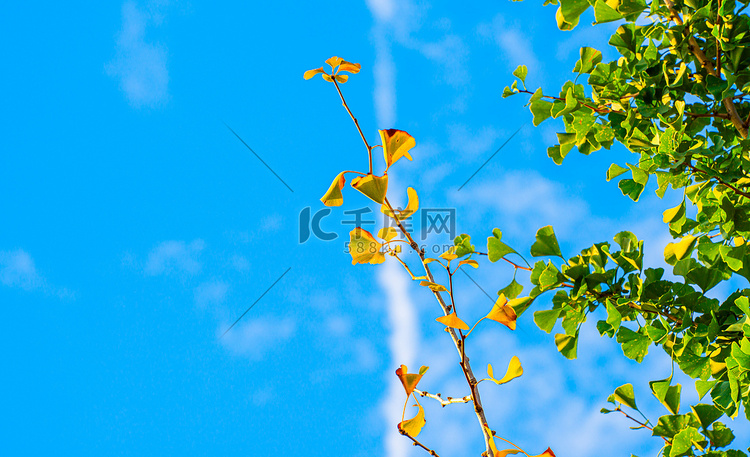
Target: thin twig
<point>443,401</point>
<point>646,426</point>
<point>367,145</point>
<point>722,182</point>
<point>417,443</point>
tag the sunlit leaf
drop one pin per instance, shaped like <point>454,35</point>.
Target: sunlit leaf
<point>362,246</point>
<point>453,321</point>
<point>378,258</point>
<point>413,426</point>
<point>387,233</point>
<point>471,262</point>
<point>396,144</point>
<point>412,204</point>
<point>514,370</point>
<point>341,78</point>
<point>625,395</point>
<point>567,345</point>
<point>374,187</point>
<point>504,313</point>
<point>327,77</point>
<point>546,243</point>
<point>678,251</point>
<point>435,287</point>
<point>334,61</point>
<point>450,254</point>
<point>334,197</point>
<point>505,452</point>
<point>547,453</point>
<point>350,67</point>
<point>310,73</point>
<point>410,380</point>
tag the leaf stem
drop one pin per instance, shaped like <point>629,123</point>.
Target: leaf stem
<point>417,443</point>
<point>343,102</point>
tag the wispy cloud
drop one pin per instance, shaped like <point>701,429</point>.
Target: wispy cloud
<point>255,338</point>
<point>513,41</point>
<point>210,293</point>
<point>174,257</point>
<point>140,66</point>
<point>17,269</point>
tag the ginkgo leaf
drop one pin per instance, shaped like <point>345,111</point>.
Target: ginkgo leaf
<point>507,452</point>
<point>334,61</point>
<point>362,246</point>
<point>435,287</point>
<point>341,78</point>
<point>514,370</point>
<point>412,204</point>
<point>489,433</point>
<point>352,68</point>
<point>471,262</point>
<point>450,254</point>
<point>413,426</point>
<point>410,380</point>
<point>310,73</point>
<point>547,453</point>
<point>334,197</point>
<point>387,233</point>
<point>503,313</point>
<point>396,144</point>
<point>453,321</point>
<point>374,187</point>
<point>378,258</point>
<point>327,77</point>
<point>429,260</point>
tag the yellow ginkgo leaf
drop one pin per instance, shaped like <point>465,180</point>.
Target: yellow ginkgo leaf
<point>547,453</point>
<point>387,233</point>
<point>374,187</point>
<point>378,258</point>
<point>327,77</point>
<point>507,452</point>
<point>352,68</point>
<point>435,287</point>
<point>410,380</point>
<point>514,370</point>
<point>493,447</point>
<point>453,321</point>
<point>471,262</point>
<point>341,78</point>
<point>334,197</point>
<point>503,313</point>
<point>334,61</point>
<point>362,246</point>
<point>310,73</point>
<point>449,254</point>
<point>413,426</point>
<point>396,144</point>
<point>412,204</point>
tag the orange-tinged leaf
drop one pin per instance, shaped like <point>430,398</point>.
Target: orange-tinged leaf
<point>413,426</point>
<point>514,370</point>
<point>547,453</point>
<point>388,233</point>
<point>435,287</point>
<point>334,197</point>
<point>374,187</point>
<point>453,321</point>
<point>378,258</point>
<point>396,144</point>
<point>352,68</point>
<point>362,246</point>
<point>429,260</point>
<point>507,452</point>
<point>334,61</point>
<point>503,313</point>
<point>471,262</point>
<point>409,380</point>
<point>310,73</point>
<point>341,78</point>
<point>412,204</point>
<point>327,77</point>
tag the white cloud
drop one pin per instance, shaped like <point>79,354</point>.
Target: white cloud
<point>210,293</point>
<point>139,66</point>
<point>256,338</point>
<point>174,257</point>
<point>515,43</point>
<point>17,270</point>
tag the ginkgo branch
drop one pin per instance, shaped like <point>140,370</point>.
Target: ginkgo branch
<point>443,401</point>
<point>722,182</point>
<point>417,443</point>
<point>641,424</point>
<point>708,66</point>
<point>359,129</point>
<point>515,265</point>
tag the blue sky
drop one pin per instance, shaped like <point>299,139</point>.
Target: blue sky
<point>137,228</point>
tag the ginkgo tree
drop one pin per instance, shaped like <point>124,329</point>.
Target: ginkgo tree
<point>678,98</point>
<point>365,248</point>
